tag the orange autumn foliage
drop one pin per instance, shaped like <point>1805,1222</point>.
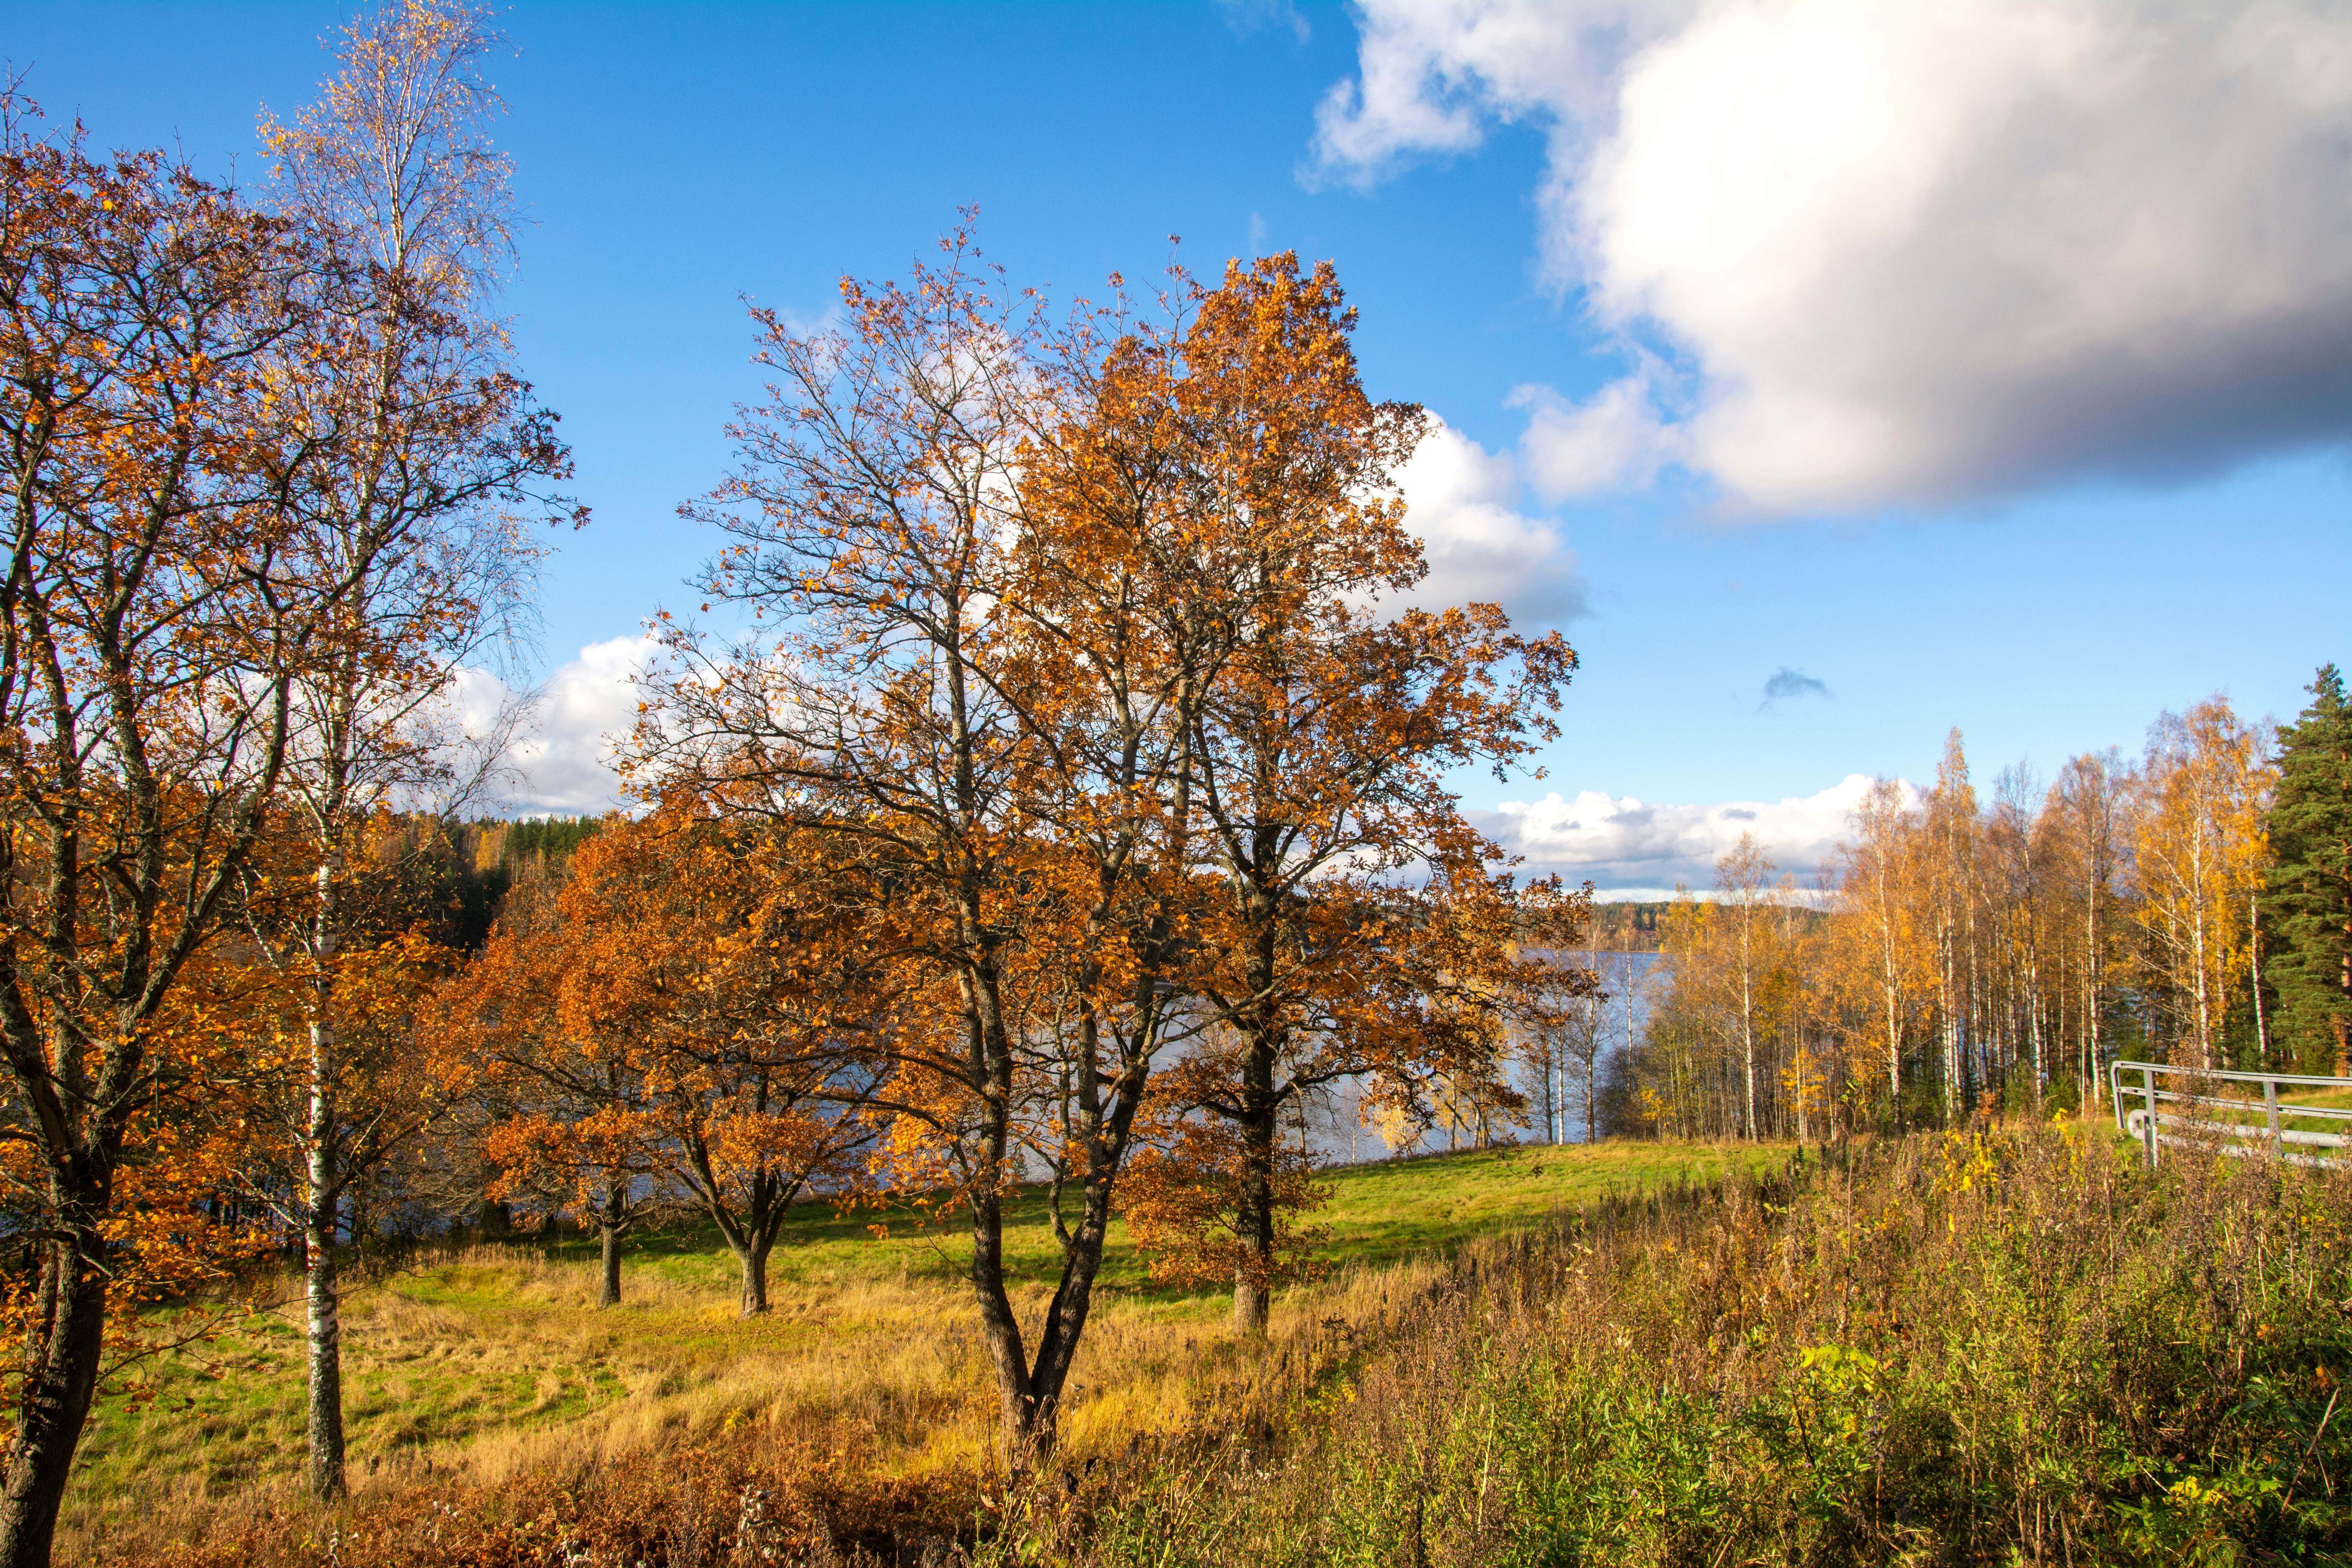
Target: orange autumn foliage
<point>1070,663</point>
<point>696,1019</point>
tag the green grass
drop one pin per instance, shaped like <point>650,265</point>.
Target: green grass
<point>1379,1214</point>
<point>468,1358</point>
<point>1385,1213</point>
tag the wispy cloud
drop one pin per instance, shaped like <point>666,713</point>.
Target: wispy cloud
<point>1246,16</point>
<point>1629,845</point>
<point>1787,683</point>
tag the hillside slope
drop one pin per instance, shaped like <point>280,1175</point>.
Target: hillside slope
<point>481,1364</point>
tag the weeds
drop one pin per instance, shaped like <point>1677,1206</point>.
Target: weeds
<point>1985,1347</point>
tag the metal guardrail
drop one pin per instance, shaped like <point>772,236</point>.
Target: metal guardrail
<point>2149,1123</point>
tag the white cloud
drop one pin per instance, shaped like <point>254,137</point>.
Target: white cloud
<point>564,756</point>
<point>1430,74</point>
<point>1626,846</point>
<point>1613,440</point>
<point>1459,498</point>
<point>1912,254</point>
<point>1246,16</point>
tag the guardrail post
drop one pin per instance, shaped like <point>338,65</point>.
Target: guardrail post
<point>2269,1104</point>
<point>2148,1081</point>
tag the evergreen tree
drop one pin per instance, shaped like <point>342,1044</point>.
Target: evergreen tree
<point>2307,912</point>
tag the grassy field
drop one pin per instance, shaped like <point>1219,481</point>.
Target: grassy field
<point>2005,1344</point>
<point>477,1365</point>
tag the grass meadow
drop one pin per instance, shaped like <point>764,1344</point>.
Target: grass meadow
<point>1995,1346</point>
<point>2004,1345</point>
<point>481,1371</point>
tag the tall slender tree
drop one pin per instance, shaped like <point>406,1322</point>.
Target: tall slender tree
<point>2308,895</point>
<point>1879,887</point>
<point>410,440</point>
<point>2087,804</point>
<point>1742,886</point>
<point>1951,881</point>
<point>2196,859</point>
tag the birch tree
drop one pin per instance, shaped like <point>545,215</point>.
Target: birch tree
<point>410,443</point>
<point>1742,888</point>
<point>2198,855</point>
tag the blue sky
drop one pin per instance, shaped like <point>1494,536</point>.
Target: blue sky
<point>1805,409</point>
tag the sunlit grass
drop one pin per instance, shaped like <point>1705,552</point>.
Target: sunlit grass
<point>486,1362</point>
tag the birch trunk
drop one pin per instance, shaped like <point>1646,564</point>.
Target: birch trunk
<point>326,1381</point>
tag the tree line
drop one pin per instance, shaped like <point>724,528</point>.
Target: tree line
<point>1074,808</point>
<point>1970,952</point>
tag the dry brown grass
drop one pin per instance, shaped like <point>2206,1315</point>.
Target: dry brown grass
<point>477,1380</point>
<point>466,1387</point>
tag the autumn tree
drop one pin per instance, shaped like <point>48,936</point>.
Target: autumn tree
<point>408,439</point>
<point>1743,890</point>
<point>2086,813</point>
<point>2019,876</point>
<point>2307,900</point>
<point>1323,745</point>
<point>1950,844</point>
<point>957,520</point>
<point>560,1118</point>
<point>698,1019</point>
<point>1013,566</point>
<point>1879,892</point>
<point>2198,854</point>
<point>1686,1061</point>
<point>146,702</point>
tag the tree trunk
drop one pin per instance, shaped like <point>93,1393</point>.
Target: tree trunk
<point>1252,1303</point>
<point>609,1225</point>
<point>326,1392</point>
<point>2091,967</point>
<point>1030,1392</point>
<point>1018,1435</point>
<point>609,1236</point>
<point>1746,1025</point>
<point>754,1259</point>
<point>1253,1225</point>
<point>61,1362</point>
<point>2255,977</point>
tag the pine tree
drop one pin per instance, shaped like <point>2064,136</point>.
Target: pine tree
<point>2307,912</point>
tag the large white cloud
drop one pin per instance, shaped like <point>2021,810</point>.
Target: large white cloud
<point>1625,846</point>
<point>1459,501</point>
<point>1913,253</point>
<point>561,760</point>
